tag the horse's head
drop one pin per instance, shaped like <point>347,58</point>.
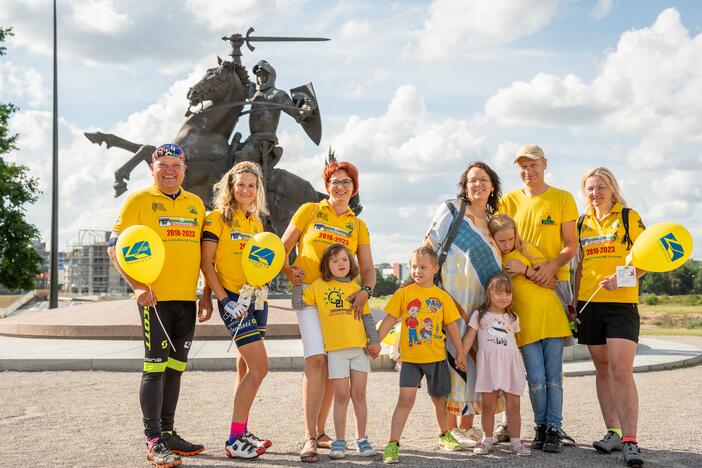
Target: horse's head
<point>215,86</point>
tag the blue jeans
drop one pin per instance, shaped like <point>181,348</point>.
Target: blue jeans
<point>544,366</point>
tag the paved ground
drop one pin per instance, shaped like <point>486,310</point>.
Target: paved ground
<point>93,419</point>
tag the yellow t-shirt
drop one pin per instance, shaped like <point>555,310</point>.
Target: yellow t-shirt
<point>423,311</point>
<point>339,329</point>
<point>540,312</point>
<point>539,219</point>
<point>231,241</point>
<point>179,223</point>
<point>602,252</point>
<point>321,227</point>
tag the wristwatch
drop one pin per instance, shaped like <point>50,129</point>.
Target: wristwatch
<point>369,290</point>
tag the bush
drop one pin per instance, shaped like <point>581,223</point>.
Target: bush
<point>651,299</point>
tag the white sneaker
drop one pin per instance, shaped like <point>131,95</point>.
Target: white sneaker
<point>243,448</point>
<point>467,439</point>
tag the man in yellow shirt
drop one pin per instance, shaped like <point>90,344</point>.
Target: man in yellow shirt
<point>546,218</point>
<point>167,307</point>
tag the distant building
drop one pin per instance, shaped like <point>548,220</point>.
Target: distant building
<point>42,279</point>
<point>89,270</point>
<point>398,270</point>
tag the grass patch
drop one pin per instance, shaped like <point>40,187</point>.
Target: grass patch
<point>8,300</point>
<point>379,302</point>
<point>672,331</point>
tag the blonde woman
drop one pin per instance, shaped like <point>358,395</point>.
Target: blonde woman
<point>239,203</point>
<point>609,324</point>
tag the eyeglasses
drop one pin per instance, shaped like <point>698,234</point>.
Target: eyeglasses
<point>475,181</point>
<point>343,182</point>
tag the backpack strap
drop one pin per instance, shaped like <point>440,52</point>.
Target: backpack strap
<point>581,220</point>
<point>452,232</point>
<point>625,221</point>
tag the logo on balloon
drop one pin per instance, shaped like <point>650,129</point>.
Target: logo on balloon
<point>261,255</point>
<point>674,249</point>
<point>136,251</point>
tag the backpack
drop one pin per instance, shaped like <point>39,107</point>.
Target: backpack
<point>451,235</point>
<point>625,220</point>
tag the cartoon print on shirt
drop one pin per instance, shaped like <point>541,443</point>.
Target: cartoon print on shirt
<point>426,331</point>
<point>499,331</point>
<point>433,304</point>
<point>412,323</point>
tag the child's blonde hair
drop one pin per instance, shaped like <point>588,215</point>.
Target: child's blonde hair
<point>501,222</point>
<point>501,282</point>
<point>421,252</point>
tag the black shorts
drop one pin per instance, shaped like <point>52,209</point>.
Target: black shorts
<point>178,318</point>
<point>602,320</point>
<point>249,329</point>
<point>438,379</point>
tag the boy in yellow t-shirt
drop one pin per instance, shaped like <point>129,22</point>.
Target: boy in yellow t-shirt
<point>345,341</point>
<point>425,311</point>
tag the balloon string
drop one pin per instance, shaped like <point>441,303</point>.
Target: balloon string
<point>241,320</point>
<point>159,321</point>
<point>588,301</point>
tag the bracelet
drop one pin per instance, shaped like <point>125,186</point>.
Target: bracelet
<point>369,290</point>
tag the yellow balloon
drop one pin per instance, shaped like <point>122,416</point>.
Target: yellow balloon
<point>661,247</point>
<point>393,336</point>
<point>140,253</point>
<point>263,258</point>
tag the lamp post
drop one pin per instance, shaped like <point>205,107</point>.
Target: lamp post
<point>53,269</point>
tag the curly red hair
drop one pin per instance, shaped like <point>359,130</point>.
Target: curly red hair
<point>332,167</point>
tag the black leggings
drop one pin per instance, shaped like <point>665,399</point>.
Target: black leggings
<point>163,367</point>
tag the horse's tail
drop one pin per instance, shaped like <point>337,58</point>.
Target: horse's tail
<point>111,140</point>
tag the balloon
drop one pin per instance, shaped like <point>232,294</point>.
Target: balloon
<point>263,258</point>
<point>661,247</point>
<point>392,338</point>
<point>140,253</point>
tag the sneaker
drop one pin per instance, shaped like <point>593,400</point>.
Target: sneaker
<point>611,441</point>
<point>364,448</point>
<point>632,454</point>
<point>180,446</point>
<point>552,444</point>
<point>448,442</point>
<point>242,447</point>
<point>392,453</point>
<point>337,449</point>
<point>566,440</point>
<point>539,437</point>
<point>484,447</point>
<point>257,441</point>
<point>159,455</point>
<point>521,450</point>
<point>502,432</point>
<point>467,439</point>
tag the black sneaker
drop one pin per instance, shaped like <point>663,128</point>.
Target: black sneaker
<point>632,454</point>
<point>539,437</point>
<point>159,455</point>
<point>180,446</point>
<point>552,444</point>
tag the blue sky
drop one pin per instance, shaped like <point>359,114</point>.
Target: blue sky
<point>409,91</point>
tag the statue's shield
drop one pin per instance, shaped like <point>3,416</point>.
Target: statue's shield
<point>304,97</point>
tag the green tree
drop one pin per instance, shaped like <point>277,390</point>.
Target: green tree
<point>19,262</point>
<point>385,286</point>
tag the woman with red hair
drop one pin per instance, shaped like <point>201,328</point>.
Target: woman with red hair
<point>313,228</point>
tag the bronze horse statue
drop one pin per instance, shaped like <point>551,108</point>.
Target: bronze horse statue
<point>205,136</point>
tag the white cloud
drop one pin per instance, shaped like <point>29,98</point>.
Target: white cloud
<point>100,16</point>
<point>468,25</point>
<point>18,83</point>
<point>648,88</point>
<point>602,9</point>
<point>239,14</point>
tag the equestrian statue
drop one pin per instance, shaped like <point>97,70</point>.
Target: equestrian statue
<point>212,147</point>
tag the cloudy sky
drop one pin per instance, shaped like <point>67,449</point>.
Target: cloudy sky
<point>409,91</point>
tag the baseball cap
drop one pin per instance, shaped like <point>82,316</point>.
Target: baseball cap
<point>169,149</point>
<point>530,151</point>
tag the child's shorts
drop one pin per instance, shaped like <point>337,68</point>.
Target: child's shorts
<point>438,379</point>
<point>342,361</point>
